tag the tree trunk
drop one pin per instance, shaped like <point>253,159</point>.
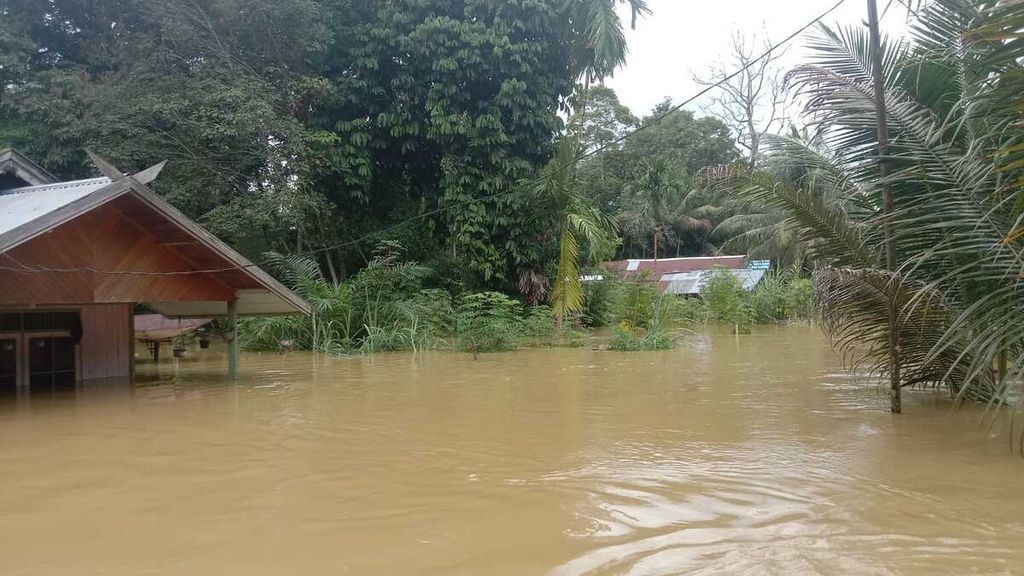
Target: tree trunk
<point>330,267</point>
<point>887,207</point>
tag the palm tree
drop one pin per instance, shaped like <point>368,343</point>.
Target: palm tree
<point>954,106</point>
<point>580,224</point>
<point>600,47</point>
<point>656,205</point>
<point>760,228</point>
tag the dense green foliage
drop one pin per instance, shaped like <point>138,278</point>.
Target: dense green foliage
<point>392,304</point>
<point>319,127</point>
<point>488,322</point>
<point>644,319</point>
<point>783,296</point>
<point>646,182</point>
<point>386,306</point>
<point>726,300</point>
<point>322,128</point>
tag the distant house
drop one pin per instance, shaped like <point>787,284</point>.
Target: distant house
<point>77,257</point>
<point>684,276</point>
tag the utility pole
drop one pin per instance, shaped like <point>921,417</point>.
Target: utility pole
<point>887,208</point>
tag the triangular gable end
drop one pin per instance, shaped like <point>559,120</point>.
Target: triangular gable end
<point>256,291</point>
<point>17,170</point>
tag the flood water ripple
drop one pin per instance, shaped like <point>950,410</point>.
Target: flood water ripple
<point>750,455</point>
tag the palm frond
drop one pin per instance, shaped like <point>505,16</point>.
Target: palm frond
<point>567,292</point>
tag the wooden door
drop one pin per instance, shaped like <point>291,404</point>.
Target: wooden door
<point>10,364</point>
<point>50,359</point>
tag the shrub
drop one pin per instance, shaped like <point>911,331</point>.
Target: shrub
<point>727,301</point>
<point>802,300</point>
<point>636,302</point>
<point>488,322</point>
<point>599,302</point>
<point>628,339</point>
<point>682,311</point>
<point>644,317</point>
<point>783,296</point>
<point>769,299</point>
<point>540,329</point>
<point>383,307</point>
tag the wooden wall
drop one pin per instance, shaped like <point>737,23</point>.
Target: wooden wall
<point>105,240</point>
<point>106,349</point>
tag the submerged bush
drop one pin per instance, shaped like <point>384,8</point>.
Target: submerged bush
<point>599,302</point>
<point>540,329</point>
<point>727,301</point>
<point>627,339</point>
<point>488,322</point>
<point>647,319</point>
<point>636,303</point>
<point>781,297</point>
<point>383,307</point>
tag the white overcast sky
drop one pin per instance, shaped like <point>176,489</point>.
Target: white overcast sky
<point>682,37</point>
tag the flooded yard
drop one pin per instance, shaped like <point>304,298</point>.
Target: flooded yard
<point>756,455</point>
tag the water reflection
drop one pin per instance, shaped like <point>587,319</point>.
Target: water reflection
<point>750,455</point>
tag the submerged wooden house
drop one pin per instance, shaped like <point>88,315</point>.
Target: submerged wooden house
<point>77,257</point>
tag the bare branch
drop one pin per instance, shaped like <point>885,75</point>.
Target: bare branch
<point>751,103</point>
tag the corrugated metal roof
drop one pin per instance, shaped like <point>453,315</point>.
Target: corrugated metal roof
<point>658,268</point>
<point>690,282</point>
<point>19,206</point>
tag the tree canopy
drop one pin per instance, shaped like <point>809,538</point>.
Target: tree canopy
<point>316,124</point>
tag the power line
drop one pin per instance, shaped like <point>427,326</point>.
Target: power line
<point>707,89</point>
<point>91,270</point>
<point>771,49</point>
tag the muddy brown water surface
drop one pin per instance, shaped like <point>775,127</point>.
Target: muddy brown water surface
<point>757,455</point>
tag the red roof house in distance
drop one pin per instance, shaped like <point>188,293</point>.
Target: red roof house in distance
<point>684,275</point>
<point>630,269</point>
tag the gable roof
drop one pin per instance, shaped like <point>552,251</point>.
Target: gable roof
<point>18,165</point>
<point>28,212</point>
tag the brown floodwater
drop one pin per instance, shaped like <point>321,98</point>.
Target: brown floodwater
<point>756,455</point>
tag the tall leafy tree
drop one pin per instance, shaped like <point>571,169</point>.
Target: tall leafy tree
<point>670,148</point>
<point>207,85</point>
<point>605,121</point>
<point>428,106</point>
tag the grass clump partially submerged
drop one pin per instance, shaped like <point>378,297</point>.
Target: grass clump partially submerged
<point>391,305</point>
<point>646,320</point>
<point>778,297</point>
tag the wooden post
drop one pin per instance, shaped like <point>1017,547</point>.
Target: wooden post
<point>233,343</point>
<point>887,205</point>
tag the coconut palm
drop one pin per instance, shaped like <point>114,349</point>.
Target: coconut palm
<point>953,101</point>
<point>657,205</point>
<point>750,225</point>
<point>600,45</point>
